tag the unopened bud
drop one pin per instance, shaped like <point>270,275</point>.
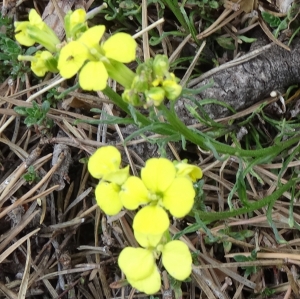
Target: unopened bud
<point>155,96</point>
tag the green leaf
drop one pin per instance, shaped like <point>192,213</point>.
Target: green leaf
<point>21,110</point>
<point>214,4</point>
<point>45,107</point>
<point>247,39</point>
<point>226,43</point>
<point>270,19</point>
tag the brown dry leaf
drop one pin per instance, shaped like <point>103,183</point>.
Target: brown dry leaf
<point>246,5</point>
<point>52,18</point>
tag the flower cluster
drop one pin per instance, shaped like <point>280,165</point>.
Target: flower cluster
<point>94,61</point>
<point>81,53</point>
<point>163,186</point>
<point>153,83</point>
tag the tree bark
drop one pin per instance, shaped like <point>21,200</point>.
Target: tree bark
<point>248,83</point>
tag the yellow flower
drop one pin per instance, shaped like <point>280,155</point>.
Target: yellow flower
<point>40,66</point>
<point>192,171</point>
<point>71,58</point>
<point>77,17</point>
<point>35,31</point>
<point>102,60</point>
<point>174,193</point>
<point>177,259</point>
<point>105,164</point>
<point>100,65</point>
<point>149,225</point>
<point>74,23</point>
<point>107,197</point>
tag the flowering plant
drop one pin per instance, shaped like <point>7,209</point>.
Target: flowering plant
<point>163,187</point>
<point>83,53</point>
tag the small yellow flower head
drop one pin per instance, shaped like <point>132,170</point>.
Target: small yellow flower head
<point>74,21</point>
<point>136,263</point>
<point>77,17</point>
<point>40,66</point>
<point>177,259</point>
<point>107,197</point>
<point>149,285</point>
<point>105,164</point>
<point>172,88</point>
<point>176,194</point>
<point>134,193</point>
<point>149,225</point>
<point>192,171</point>
<point>35,31</point>
<point>102,59</point>
<point>155,96</point>
<point>21,28</point>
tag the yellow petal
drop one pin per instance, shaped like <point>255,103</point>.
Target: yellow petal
<point>120,47</point>
<point>149,285</point>
<point>93,76</point>
<point>104,160</point>
<point>136,263</point>
<point>158,174</point>
<point>107,197</point>
<point>149,224</point>
<point>21,34</point>
<point>92,36</point>
<point>118,176</point>
<point>71,58</point>
<point>179,197</point>
<point>77,17</point>
<point>177,259</point>
<point>35,19</point>
<point>194,172</point>
<point>133,193</point>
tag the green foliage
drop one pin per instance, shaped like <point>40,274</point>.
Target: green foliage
<point>35,115</point>
<point>250,269</point>
<point>31,175</point>
<point>9,51</point>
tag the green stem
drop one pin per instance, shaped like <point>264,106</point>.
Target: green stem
<point>206,142</point>
<point>255,206</point>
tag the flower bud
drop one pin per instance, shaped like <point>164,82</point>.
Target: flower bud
<point>131,97</point>
<point>155,96</point>
<point>43,62</point>
<point>160,65</point>
<point>172,88</point>
<point>74,22</point>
